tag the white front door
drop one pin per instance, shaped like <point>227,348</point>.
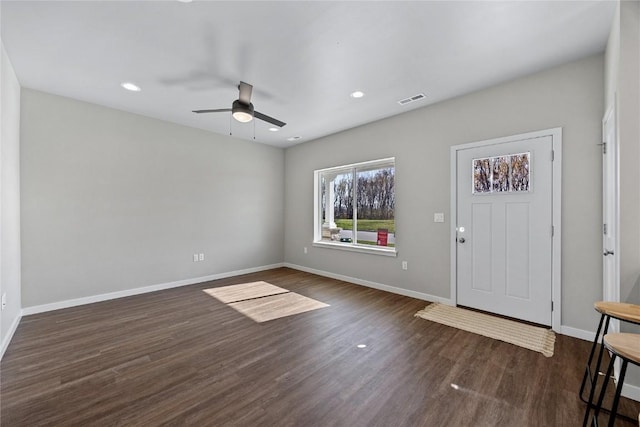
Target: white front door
<point>504,228</point>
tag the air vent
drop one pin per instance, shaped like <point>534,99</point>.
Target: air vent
<point>411,99</point>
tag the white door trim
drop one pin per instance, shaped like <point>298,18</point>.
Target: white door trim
<point>556,259</point>
<point>611,178</point>
<point>612,152</point>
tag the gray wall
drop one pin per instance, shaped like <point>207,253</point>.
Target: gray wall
<point>628,97</point>
<point>612,61</point>
<point>113,201</point>
<point>570,96</point>
<point>10,198</point>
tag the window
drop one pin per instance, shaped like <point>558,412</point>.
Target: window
<point>355,206</point>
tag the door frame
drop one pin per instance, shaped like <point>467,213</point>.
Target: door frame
<point>556,206</point>
<point>611,177</point>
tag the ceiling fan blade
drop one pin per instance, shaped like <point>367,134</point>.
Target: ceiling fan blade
<point>264,117</point>
<point>220,110</point>
<point>245,92</point>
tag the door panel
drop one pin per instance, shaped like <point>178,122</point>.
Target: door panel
<point>481,242</point>
<point>517,250</point>
<point>504,240</point>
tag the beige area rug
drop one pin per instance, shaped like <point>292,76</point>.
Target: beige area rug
<point>262,301</point>
<point>276,306</point>
<point>244,291</point>
<point>530,337</point>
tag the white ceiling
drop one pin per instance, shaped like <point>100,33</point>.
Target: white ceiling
<point>303,58</point>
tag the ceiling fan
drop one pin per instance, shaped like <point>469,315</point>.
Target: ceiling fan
<point>242,108</point>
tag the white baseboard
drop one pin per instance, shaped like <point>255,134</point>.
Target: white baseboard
<point>577,333</point>
<point>631,392</point>
<point>10,332</point>
<point>369,284</point>
<point>143,290</point>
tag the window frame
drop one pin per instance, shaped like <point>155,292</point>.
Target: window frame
<point>317,211</point>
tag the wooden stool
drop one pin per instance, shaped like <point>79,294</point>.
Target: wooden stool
<point>627,348</point>
<point>608,310</point>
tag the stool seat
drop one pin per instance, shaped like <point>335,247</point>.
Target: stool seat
<point>619,310</point>
<point>627,348</point>
<point>624,345</point>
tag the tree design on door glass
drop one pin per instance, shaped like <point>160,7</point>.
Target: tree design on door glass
<point>502,174</point>
<point>520,172</point>
<point>481,176</point>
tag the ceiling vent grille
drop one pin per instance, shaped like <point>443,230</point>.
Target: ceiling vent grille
<point>411,99</point>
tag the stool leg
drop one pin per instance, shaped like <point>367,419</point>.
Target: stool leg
<point>616,399</point>
<point>587,370</point>
<point>602,392</point>
<point>604,332</point>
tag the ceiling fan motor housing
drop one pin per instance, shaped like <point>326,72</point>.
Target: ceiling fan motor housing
<point>242,112</point>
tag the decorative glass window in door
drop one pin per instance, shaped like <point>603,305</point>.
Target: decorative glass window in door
<point>502,174</point>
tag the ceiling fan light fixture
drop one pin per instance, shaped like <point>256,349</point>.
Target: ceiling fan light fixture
<point>242,116</point>
<point>242,112</point>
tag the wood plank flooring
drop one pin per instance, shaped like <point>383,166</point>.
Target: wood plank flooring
<point>181,357</point>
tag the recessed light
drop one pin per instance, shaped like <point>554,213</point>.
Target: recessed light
<point>185,1</point>
<point>361,346</point>
<point>294,138</point>
<point>274,129</point>
<point>130,86</point>
<point>357,94</point>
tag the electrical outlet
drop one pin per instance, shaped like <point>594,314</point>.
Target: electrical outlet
<point>4,300</point>
<point>201,257</point>
<point>305,250</point>
<point>195,257</point>
<point>438,217</point>
<point>404,265</point>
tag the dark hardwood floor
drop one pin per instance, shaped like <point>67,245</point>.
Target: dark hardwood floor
<point>180,357</point>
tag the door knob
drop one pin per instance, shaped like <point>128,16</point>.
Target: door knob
<point>461,240</point>
<point>607,252</point>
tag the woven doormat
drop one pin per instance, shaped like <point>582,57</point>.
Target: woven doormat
<point>530,337</point>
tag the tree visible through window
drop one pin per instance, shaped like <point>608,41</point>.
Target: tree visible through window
<point>357,204</point>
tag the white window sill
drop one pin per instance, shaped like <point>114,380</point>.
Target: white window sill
<point>357,248</point>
